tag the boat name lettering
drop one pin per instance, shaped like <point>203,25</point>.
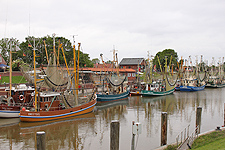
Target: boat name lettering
<point>33,114</point>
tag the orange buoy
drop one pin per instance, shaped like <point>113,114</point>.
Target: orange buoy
<point>23,109</point>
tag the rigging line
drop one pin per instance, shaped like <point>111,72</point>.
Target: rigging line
<point>67,101</point>
<point>169,82</point>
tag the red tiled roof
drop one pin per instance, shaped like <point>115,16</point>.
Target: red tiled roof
<point>100,69</point>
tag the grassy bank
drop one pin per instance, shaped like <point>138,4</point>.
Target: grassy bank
<point>211,141</point>
<point>15,79</point>
<point>214,140</point>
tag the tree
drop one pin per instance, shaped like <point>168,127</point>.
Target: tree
<point>162,55</point>
<point>5,45</point>
<point>95,61</point>
<point>26,52</point>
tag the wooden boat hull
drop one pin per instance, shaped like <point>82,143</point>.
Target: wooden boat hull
<point>156,93</point>
<point>27,125</point>
<point>108,98</point>
<point>191,88</point>
<point>28,116</point>
<point>9,111</point>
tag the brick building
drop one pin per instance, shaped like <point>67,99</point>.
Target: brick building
<point>133,63</point>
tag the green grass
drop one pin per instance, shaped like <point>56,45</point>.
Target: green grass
<point>15,79</point>
<point>214,140</point>
<point>171,147</point>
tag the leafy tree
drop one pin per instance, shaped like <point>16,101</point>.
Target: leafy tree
<point>162,55</point>
<point>16,64</point>
<point>41,52</point>
<point>5,45</point>
<point>95,61</point>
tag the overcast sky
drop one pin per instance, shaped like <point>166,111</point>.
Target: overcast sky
<point>133,27</point>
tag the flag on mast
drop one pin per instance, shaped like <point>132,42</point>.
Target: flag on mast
<point>29,45</point>
<point>24,54</point>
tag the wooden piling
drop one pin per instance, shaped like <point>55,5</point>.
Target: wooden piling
<point>198,118</point>
<point>164,128</point>
<point>114,135</point>
<point>40,137</point>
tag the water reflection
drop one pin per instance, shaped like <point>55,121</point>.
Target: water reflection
<point>92,131</point>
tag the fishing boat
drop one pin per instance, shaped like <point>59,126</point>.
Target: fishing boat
<point>216,76</point>
<point>51,109</point>
<point>215,82</point>
<point>101,98</point>
<point>114,86</point>
<point>193,82</point>
<point>116,89</point>
<point>160,87</point>
<point>18,96</point>
<point>53,105</point>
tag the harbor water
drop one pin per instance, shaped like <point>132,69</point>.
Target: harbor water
<point>92,131</point>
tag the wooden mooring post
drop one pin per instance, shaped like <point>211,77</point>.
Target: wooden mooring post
<point>164,128</point>
<point>114,135</point>
<point>40,137</point>
<point>198,118</point>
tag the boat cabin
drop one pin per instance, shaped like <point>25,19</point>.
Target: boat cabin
<point>21,94</point>
<point>48,100</point>
<point>155,86</point>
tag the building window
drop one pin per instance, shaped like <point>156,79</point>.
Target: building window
<point>133,74</point>
<point>129,75</point>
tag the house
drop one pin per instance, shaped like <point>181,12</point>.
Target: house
<point>133,63</point>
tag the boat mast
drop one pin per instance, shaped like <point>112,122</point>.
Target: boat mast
<point>35,85</point>
<point>46,51</point>
<point>75,73</point>
<point>78,55</point>
<point>10,70</point>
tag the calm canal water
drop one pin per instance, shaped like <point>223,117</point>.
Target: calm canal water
<point>92,132</point>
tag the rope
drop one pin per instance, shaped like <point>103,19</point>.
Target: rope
<point>67,101</point>
<point>169,82</point>
<point>91,96</point>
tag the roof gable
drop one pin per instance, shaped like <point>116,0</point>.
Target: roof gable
<point>131,61</point>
